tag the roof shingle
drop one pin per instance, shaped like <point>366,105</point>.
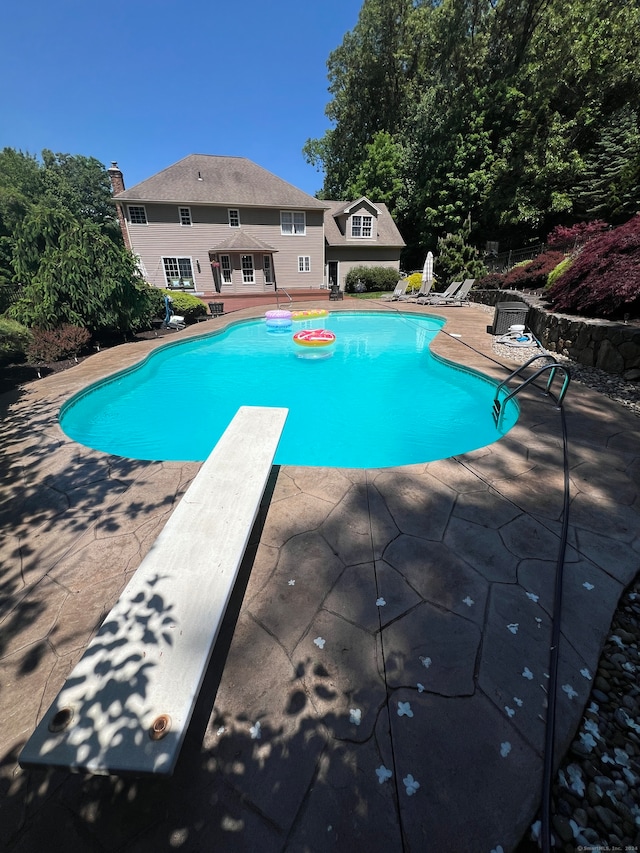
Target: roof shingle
<point>220,180</point>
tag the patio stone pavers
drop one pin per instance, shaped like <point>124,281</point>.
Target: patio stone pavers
<point>424,590</point>
<point>433,648</point>
<point>467,787</point>
<point>585,590</point>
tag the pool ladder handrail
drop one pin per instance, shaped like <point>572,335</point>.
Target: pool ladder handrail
<point>278,289</point>
<point>499,405</point>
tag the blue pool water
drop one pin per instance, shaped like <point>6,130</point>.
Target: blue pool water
<point>380,399</point>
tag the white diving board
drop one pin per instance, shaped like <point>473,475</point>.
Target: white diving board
<point>126,706</point>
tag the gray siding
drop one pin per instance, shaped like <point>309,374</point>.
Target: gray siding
<point>352,256</point>
<point>163,236</point>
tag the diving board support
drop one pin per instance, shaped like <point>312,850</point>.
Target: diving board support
<point>126,706</point>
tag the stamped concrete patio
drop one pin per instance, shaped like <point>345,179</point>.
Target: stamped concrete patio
<point>380,682</point>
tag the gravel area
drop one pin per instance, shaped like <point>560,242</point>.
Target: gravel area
<point>614,387</point>
<point>596,793</point>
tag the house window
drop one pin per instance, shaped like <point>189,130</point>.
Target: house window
<point>304,263</point>
<point>293,222</point>
<point>225,267</point>
<point>184,214</point>
<point>268,269</point>
<point>234,218</point>
<point>137,214</point>
<point>179,273</point>
<point>361,226</point>
<point>248,276</point>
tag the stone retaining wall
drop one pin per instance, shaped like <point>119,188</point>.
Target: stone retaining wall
<point>611,346</point>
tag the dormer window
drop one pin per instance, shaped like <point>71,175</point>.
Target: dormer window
<point>361,226</point>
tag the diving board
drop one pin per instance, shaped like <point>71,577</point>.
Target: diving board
<point>126,706</point>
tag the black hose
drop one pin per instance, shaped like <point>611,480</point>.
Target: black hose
<point>554,654</point>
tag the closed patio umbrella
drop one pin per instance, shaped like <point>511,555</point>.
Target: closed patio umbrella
<point>427,273</point>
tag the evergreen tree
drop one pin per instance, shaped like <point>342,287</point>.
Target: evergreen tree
<point>62,259</point>
<point>457,259</point>
<point>610,185</point>
<point>72,272</point>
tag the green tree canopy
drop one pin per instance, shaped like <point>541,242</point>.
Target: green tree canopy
<point>20,187</point>
<point>380,174</point>
<point>80,185</point>
<point>521,114</point>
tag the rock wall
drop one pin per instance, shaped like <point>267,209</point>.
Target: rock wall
<point>611,346</point>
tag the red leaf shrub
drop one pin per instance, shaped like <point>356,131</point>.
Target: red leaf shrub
<point>55,344</point>
<point>565,239</point>
<point>491,281</point>
<point>535,273</point>
<point>604,280</point>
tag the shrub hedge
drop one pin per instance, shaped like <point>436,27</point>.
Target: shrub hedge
<point>604,279</point>
<point>561,269</point>
<point>415,282</point>
<point>491,281</point>
<point>373,279</point>
<point>184,304</point>
<point>568,239</point>
<point>49,345</point>
<point>14,341</point>
<point>534,273</point>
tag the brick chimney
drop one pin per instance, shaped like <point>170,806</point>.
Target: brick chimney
<point>117,181</point>
<point>117,186</point>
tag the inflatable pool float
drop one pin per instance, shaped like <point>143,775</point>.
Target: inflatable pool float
<point>278,319</point>
<point>311,314</point>
<point>314,338</point>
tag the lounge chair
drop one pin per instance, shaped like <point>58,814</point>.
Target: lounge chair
<point>423,293</point>
<point>401,287</point>
<point>461,297</point>
<point>446,294</point>
<point>458,297</point>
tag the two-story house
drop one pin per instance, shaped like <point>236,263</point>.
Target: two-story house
<point>224,224</point>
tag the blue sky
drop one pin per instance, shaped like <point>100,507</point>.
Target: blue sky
<point>146,82</point>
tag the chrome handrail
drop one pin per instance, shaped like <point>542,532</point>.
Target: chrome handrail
<point>278,289</point>
<point>499,405</point>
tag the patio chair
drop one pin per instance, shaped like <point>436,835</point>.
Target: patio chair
<point>446,294</point>
<point>401,287</point>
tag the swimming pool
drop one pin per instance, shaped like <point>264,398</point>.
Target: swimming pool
<point>381,399</point>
